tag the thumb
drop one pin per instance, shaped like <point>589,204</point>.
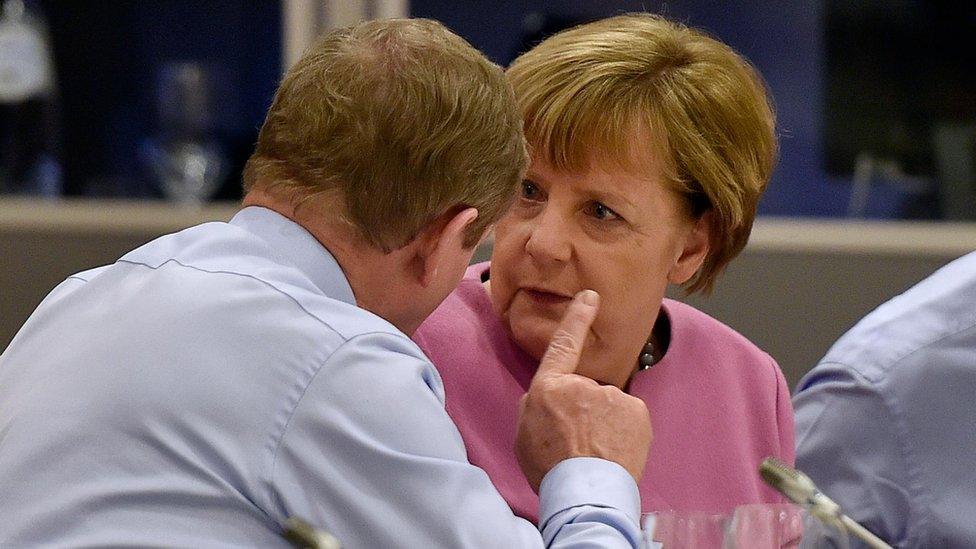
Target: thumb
<point>564,350</point>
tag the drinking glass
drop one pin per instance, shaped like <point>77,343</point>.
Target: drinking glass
<point>184,156</point>
<point>685,530</point>
<point>781,525</point>
<point>756,526</point>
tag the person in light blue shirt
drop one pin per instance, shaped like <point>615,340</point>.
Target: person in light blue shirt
<point>886,423</point>
<point>214,382</point>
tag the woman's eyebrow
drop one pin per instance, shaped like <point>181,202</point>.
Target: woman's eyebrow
<point>534,177</point>
<point>602,195</point>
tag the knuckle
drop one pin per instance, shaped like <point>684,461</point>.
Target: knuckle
<point>545,391</point>
<point>636,404</point>
<point>645,413</point>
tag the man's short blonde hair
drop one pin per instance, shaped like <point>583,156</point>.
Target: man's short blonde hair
<point>605,91</point>
<point>399,121</point>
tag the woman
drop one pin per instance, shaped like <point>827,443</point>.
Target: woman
<point>652,144</point>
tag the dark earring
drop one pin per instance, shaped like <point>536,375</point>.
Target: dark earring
<point>646,358</point>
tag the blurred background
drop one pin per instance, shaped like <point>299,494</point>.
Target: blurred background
<point>113,113</point>
<point>876,98</point>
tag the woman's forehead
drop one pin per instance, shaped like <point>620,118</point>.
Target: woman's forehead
<point>600,181</point>
<point>600,164</point>
<point>637,151</point>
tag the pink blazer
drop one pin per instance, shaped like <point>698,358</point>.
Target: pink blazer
<point>718,405</point>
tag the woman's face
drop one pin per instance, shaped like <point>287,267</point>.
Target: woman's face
<point>623,235</point>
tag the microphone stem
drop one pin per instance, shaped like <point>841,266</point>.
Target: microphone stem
<point>866,536</point>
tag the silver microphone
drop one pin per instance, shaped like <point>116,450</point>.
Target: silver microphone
<point>798,488</point>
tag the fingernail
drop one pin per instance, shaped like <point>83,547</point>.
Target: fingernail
<point>589,297</point>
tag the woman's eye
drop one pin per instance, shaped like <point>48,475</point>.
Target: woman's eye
<point>602,212</point>
<point>530,191</point>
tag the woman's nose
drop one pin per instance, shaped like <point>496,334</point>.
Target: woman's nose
<point>549,238</point>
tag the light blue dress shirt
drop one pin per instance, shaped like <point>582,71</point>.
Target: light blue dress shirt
<point>886,423</point>
<point>216,381</point>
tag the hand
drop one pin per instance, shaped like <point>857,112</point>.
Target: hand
<point>565,415</point>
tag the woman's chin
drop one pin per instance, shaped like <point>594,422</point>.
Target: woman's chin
<point>532,338</point>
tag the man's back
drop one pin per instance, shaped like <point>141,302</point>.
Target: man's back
<point>152,415</point>
<point>145,399</point>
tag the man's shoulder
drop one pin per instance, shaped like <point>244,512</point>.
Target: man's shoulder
<point>219,263</point>
<point>214,247</point>
<point>917,324</point>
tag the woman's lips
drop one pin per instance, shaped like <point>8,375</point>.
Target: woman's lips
<point>543,297</point>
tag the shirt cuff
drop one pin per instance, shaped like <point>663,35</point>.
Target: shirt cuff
<point>590,481</point>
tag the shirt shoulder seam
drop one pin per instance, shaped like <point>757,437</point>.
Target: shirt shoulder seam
<point>261,281</point>
<point>885,367</point>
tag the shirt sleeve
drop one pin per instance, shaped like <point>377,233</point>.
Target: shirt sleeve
<point>613,503</point>
<point>370,455</point>
<point>847,442</point>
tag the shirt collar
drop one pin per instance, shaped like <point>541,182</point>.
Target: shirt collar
<point>295,246</point>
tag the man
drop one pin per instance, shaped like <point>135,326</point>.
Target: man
<point>885,422</point>
<point>216,381</point>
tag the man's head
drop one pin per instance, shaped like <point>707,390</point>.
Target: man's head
<point>397,145</point>
<point>396,122</point>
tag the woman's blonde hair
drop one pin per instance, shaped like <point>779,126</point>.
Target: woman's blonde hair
<point>590,93</point>
<point>401,121</point>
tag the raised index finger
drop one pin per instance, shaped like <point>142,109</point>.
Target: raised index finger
<point>566,345</point>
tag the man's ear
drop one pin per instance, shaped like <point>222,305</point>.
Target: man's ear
<point>693,251</point>
<point>441,243</point>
